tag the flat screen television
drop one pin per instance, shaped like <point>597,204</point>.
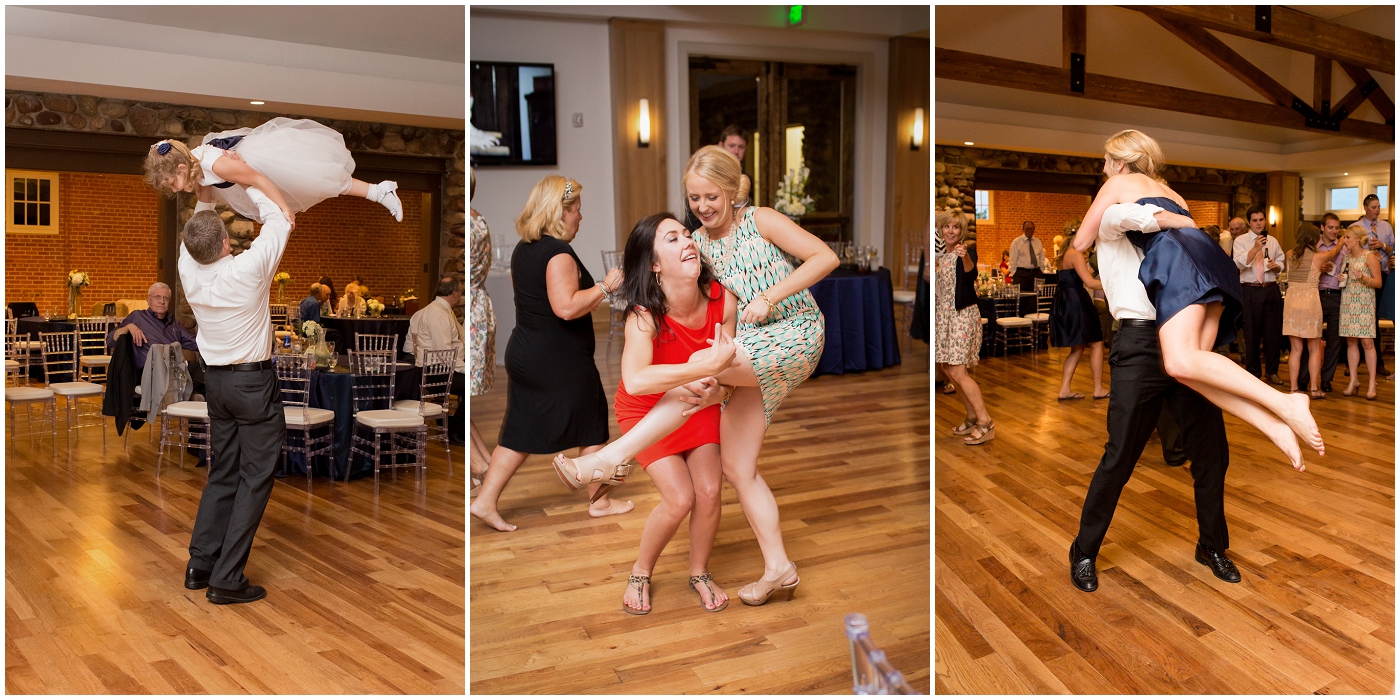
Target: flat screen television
<point>512,114</point>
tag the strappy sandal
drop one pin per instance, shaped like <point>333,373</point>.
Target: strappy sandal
<point>706,578</point>
<point>758,592</point>
<point>966,427</point>
<point>982,433</point>
<point>610,480</point>
<point>950,388</point>
<point>640,581</point>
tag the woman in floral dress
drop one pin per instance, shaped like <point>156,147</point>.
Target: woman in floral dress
<point>780,337</point>
<point>483,331</point>
<point>958,324</point>
<point>1358,312</point>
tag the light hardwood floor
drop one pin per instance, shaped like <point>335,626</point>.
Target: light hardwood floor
<point>847,458</point>
<point>364,594</point>
<point>1314,612</point>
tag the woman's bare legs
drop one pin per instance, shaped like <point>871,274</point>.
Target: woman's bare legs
<point>1096,368</point>
<point>481,457</point>
<point>1369,346</point>
<point>1353,364</point>
<point>971,393</point>
<point>672,479</point>
<point>967,404</point>
<point>504,463</point>
<point>1295,350</point>
<point>1067,374</point>
<point>705,472</point>
<point>1187,352</point>
<point>742,426</point>
<point>662,420</point>
<point>1314,365</point>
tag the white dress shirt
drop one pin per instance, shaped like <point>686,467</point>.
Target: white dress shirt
<point>229,295</point>
<point>1272,251</point>
<point>435,327</point>
<point>1119,260</point>
<point>1028,255</point>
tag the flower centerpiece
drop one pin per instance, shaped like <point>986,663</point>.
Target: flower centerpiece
<point>281,279</point>
<point>76,281</point>
<point>792,196</point>
<point>375,307</point>
<point>316,336</point>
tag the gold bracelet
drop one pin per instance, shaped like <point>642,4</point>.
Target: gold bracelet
<point>764,296</point>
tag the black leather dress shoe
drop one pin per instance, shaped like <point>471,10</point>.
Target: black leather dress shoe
<point>224,596</point>
<point>1219,564</point>
<point>1081,570</point>
<point>196,579</point>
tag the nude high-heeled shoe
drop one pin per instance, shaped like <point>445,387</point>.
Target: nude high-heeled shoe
<point>758,592</point>
<point>611,477</point>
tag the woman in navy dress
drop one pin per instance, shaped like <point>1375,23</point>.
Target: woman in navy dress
<point>1074,323</point>
<point>1195,288</point>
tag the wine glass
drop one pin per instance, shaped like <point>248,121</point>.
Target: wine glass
<point>333,359</point>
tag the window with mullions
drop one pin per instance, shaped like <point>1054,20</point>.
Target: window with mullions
<point>983,201</point>
<point>31,202</point>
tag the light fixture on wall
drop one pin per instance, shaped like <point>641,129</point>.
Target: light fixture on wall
<point>967,143</point>
<point>644,124</point>
<point>1273,216</point>
<point>916,139</point>
<point>256,102</point>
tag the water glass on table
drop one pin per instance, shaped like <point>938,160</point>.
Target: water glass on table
<point>334,359</point>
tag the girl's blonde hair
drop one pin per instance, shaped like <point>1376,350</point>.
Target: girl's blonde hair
<point>544,210</point>
<point>1357,232</point>
<point>946,216</point>
<point>1138,151</point>
<point>721,167</point>
<point>162,166</point>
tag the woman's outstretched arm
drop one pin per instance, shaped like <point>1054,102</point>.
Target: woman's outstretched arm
<point>640,377</point>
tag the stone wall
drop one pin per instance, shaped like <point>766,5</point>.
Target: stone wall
<point>87,113</point>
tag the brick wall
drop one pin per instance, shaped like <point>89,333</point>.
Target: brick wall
<point>1209,213</point>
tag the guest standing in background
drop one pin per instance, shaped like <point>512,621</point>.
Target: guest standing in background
<point>1005,266</point>
<point>555,399</point>
<point>1235,229</point>
<point>1027,257</point>
<point>958,323</point>
<point>1382,243</point>
<point>1363,271</point>
<point>1259,259</point>
<point>1074,323</point>
<point>483,331</point>
<point>1330,294</point>
<point>1302,310</point>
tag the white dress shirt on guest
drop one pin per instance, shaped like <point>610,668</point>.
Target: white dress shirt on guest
<point>435,327</point>
<point>229,295</point>
<point>1272,251</point>
<point>1028,255</point>
<point>1119,260</point>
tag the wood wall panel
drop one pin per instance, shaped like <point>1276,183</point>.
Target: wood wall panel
<point>637,64</point>
<point>907,194</point>
<point>1285,196</point>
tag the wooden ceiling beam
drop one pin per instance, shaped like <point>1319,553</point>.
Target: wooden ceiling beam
<point>1226,57</point>
<point>1288,28</point>
<point>1322,85</point>
<point>1377,96</point>
<point>1076,29</point>
<point>990,70</point>
<point>1351,101</point>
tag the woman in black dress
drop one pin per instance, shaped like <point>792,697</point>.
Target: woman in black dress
<point>1074,323</point>
<point>555,399</point>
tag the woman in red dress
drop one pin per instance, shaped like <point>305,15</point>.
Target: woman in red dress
<point>680,323</point>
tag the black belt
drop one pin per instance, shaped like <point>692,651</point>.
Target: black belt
<point>1136,323</point>
<point>245,367</point>
<point>1329,291</point>
<point>1259,284</point>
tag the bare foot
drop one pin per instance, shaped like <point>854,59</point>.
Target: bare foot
<point>490,517</point>
<point>608,506</point>
<point>631,600</point>
<point>710,602</point>
<point>1285,440</point>
<point>1300,419</point>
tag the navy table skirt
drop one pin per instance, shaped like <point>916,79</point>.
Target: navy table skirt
<point>332,390</point>
<point>348,328</point>
<point>33,326</point>
<point>859,312</point>
<point>988,308</point>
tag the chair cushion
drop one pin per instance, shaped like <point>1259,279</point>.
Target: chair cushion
<point>388,419</point>
<point>313,416</point>
<point>903,297</point>
<point>429,409</point>
<point>96,360</point>
<point>188,409</point>
<point>11,365</point>
<point>1386,324</point>
<point>76,388</point>
<point>27,393</point>
<point>983,320</point>
<point>1038,317</point>
<point>1014,322</point>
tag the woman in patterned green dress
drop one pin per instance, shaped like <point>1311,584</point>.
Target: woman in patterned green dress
<point>1358,310</point>
<point>780,337</point>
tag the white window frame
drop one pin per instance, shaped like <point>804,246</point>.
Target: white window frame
<point>1364,184</point>
<point>991,208</point>
<point>55,195</point>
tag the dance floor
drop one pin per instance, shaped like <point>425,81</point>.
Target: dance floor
<point>847,458</point>
<point>1315,612</point>
<point>364,593</point>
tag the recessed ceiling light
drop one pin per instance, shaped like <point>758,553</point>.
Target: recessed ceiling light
<point>967,143</point>
<point>1344,174</point>
<point>256,102</point>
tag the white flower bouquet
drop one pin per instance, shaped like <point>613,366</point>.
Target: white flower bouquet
<point>78,279</point>
<point>792,196</point>
<point>374,307</point>
<point>310,329</point>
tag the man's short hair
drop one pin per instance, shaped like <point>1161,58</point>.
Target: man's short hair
<point>447,286</point>
<point>315,288</point>
<point>1367,199</point>
<point>1334,217</point>
<point>160,285</point>
<point>732,130</point>
<point>1024,223</point>
<point>204,237</point>
<point>1256,209</point>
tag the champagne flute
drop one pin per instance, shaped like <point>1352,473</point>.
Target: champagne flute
<point>334,359</point>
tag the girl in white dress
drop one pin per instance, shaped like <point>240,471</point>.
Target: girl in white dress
<point>297,163</point>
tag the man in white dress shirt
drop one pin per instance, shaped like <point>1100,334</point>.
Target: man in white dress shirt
<point>1259,258</point>
<point>1382,241</point>
<point>1139,389</point>
<point>1027,258</point>
<point>435,327</point>
<point>246,426</point>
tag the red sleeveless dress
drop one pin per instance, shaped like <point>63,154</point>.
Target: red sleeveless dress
<point>674,346</point>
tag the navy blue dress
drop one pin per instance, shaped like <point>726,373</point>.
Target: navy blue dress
<point>1185,266</point>
<point>1073,318</point>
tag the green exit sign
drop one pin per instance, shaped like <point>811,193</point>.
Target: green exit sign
<point>795,16</point>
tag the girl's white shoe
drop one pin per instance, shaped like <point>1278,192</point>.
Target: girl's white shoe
<point>383,193</point>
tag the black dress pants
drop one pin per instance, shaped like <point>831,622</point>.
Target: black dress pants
<point>1025,277</point>
<point>1263,328</point>
<point>1136,397</point>
<point>247,430</point>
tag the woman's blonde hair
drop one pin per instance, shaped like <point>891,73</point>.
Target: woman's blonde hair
<point>722,168</point>
<point>1358,232</point>
<point>1138,151</point>
<point>162,166</point>
<point>946,216</point>
<point>544,210</point>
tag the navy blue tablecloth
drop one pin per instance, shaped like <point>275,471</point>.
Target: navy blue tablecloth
<point>348,328</point>
<point>859,312</point>
<point>33,326</point>
<point>332,390</point>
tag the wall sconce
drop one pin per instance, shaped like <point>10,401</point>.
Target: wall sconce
<point>644,125</point>
<point>1273,216</point>
<point>917,138</point>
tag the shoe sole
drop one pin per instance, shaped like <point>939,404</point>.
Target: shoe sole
<point>197,586</point>
<point>234,601</point>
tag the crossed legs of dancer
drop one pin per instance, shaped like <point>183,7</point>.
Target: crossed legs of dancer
<point>1187,340</point>
<point>504,462</point>
<point>689,483</point>
<point>1095,368</point>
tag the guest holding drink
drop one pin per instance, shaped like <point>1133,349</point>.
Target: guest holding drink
<point>1302,308</point>
<point>555,399</point>
<point>1074,323</point>
<point>1358,322</point>
<point>352,304</point>
<point>1381,241</point>
<point>958,324</point>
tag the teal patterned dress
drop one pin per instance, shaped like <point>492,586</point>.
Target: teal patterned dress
<point>785,347</point>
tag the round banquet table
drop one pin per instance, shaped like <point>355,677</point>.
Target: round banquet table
<point>859,312</point>
<point>332,390</point>
<point>987,306</point>
<point>348,328</point>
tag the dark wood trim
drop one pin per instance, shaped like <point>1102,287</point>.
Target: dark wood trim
<point>1322,85</point>
<point>990,70</point>
<point>1377,97</point>
<point>1207,45</point>
<point>1352,99</point>
<point>1205,192</point>
<point>1006,179</point>
<point>1288,28</point>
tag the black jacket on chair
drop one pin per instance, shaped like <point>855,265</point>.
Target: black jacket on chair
<point>121,382</point>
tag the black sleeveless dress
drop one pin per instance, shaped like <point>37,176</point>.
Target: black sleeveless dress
<point>555,399</point>
<point>1073,318</point>
<point>1181,267</point>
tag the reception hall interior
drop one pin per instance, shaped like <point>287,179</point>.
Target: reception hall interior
<point>1274,121</point>
<point>109,400</point>
<point>827,110</point>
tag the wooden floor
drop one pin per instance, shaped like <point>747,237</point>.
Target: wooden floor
<point>364,594</point>
<point>847,458</point>
<point>1315,612</point>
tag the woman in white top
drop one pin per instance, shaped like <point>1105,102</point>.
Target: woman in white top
<point>296,162</point>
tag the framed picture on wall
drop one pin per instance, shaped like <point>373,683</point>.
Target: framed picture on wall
<point>512,114</point>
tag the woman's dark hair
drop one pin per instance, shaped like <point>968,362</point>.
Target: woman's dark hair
<point>1308,236</point>
<point>639,286</point>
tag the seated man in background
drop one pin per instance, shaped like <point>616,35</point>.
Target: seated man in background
<point>435,327</point>
<point>352,303</point>
<point>311,305</point>
<point>328,306</point>
<point>154,326</point>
